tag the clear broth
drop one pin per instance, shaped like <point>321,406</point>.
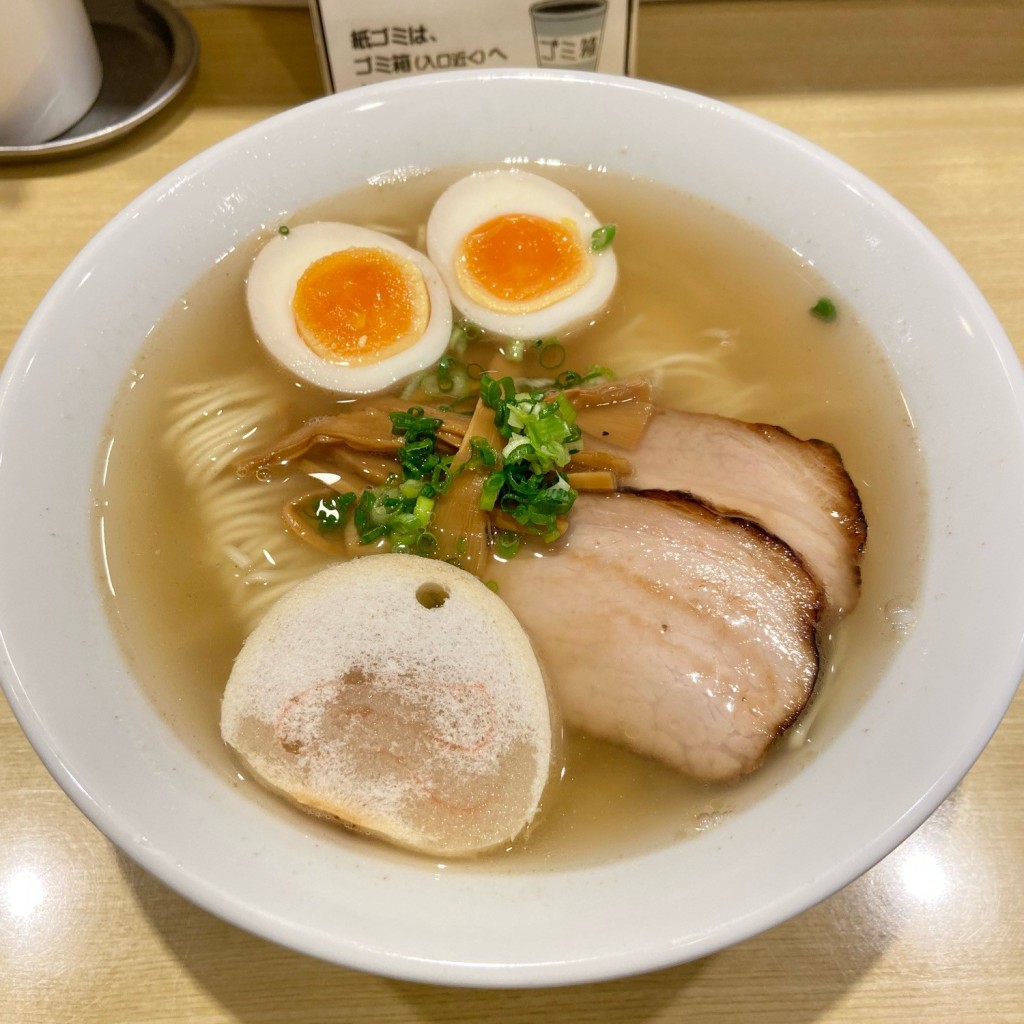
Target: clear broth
<point>692,281</point>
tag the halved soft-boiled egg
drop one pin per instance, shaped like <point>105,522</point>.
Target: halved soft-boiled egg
<point>519,254</point>
<point>349,309</point>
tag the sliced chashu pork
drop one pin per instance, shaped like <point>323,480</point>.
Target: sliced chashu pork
<point>797,490</point>
<point>671,630</point>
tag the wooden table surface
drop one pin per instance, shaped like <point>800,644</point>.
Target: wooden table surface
<point>924,96</point>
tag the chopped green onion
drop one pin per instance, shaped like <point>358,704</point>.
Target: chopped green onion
<point>552,355</point>
<point>412,489</point>
<point>535,500</point>
<point>490,392</point>
<point>401,508</point>
<point>602,237</point>
<point>418,455</point>
<point>491,489</point>
<point>572,379</point>
<point>542,437</point>
<point>366,519</point>
<point>444,374</point>
<point>426,544</point>
<point>441,476</point>
<point>463,332</point>
<point>284,230</point>
<point>516,350</point>
<point>542,432</point>
<point>483,453</point>
<point>494,393</point>
<point>507,543</point>
<point>824,309</point>
<point>449,380</point>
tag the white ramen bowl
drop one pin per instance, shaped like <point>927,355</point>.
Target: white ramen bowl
<point>905,746</point>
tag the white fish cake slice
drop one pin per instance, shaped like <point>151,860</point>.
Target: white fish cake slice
<point>400,696</point>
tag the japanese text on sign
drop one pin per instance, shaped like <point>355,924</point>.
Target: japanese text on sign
<point>365,42</point>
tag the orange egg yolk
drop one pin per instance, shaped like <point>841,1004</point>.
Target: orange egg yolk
<point>351,306</point>
<point>523,259</point>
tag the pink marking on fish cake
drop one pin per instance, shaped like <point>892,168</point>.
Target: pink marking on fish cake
<point>284,733</point>
<point>297,701</point>
<point>488,735</point>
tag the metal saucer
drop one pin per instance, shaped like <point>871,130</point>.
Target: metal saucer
<point>149,52</point>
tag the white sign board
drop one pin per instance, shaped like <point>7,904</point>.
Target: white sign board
<point>381,40</point>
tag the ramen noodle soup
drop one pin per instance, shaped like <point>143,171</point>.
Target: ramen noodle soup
<point>718,318</point>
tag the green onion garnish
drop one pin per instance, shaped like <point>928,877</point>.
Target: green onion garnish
<point>542,437</point>
<point>506,543</point>
<point>483,453</point>
<point>551,355</point>
<point>463,332</point>
<point>491,489</point>
<point>602,237</point>
<point>417,456</point>
<point>400,509</point>
<point>370,524</point>
<point>572,379</point>
<point>516,350</point>
<point>824,309</point>
<point>445,366</point>
<point>426,544</point>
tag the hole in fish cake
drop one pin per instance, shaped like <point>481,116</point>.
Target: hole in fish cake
<point>431,595</point>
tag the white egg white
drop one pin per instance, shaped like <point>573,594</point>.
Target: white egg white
<point>271,285</point>
<point>484,195</point>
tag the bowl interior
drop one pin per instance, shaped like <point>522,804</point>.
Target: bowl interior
<point>883,771</point>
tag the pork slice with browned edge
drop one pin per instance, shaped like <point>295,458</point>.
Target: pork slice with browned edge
<point>679,633</point>
<point>797,490</point>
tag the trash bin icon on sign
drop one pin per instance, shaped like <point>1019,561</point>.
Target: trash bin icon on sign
<point>567,33</point>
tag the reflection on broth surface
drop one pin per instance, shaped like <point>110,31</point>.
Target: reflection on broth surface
<point>714,314</point>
